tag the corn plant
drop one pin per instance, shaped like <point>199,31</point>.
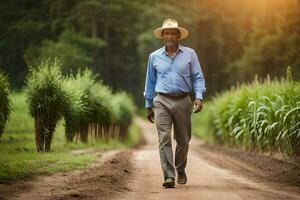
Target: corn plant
<point>262,116</point>
<point>4,102</point>
<point>48,99</point>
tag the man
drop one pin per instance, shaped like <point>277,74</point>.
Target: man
<point>173,71</point>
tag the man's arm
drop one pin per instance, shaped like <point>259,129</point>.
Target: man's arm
<point>198,82</point>
<point>150,89</point>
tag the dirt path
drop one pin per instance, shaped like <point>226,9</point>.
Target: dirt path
<point>136,174</point>
<point>205,181</point>
<point>99,180</point>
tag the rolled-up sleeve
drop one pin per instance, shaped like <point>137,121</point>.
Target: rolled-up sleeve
<point>150,83</point>
<point>197,77</point>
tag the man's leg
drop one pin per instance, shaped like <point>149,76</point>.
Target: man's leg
<point>182,133</point>
<point>163,121</point>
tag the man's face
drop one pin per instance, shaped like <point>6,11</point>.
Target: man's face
<point>170,36</point>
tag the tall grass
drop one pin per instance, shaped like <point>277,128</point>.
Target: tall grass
<point>263,115</point>
<point>19,120</point>
<point>95,111</point>
<point>123,109</point>
<point>47,100</point>
<point>4,102</point>
<point>90,110</point>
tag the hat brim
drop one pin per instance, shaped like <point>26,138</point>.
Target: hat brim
<point>183,32</point>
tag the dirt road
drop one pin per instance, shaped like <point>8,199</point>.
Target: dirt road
<point>205,181</point>
<point>136,175</point>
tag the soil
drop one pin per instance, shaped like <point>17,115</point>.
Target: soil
<point>278,169</point>
<point>214,172</point>
<point>100,180</point>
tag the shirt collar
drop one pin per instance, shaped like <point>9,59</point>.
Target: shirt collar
<point>165,52</point>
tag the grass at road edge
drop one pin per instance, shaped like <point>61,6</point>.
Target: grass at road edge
<point>19,158</point>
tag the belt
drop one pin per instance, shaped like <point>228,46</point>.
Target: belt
<point>174,96</point>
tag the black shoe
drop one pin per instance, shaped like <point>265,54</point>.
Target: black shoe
<point>169,183</point>
<point>182,179</point>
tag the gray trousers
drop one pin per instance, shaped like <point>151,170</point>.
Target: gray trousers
<point>170,112</point>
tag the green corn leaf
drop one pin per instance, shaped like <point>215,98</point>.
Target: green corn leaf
<point>289,114</point>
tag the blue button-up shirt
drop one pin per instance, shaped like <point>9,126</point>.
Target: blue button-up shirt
<point>179,74</point>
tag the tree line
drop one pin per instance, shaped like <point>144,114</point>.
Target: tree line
<point>234,39</point>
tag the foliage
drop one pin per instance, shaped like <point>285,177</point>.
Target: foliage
<point>123,109</point>
<point>47,99</point>
<point>5,107</point>
<point>263,116</point>
<point>23,24</point>
<point>18,156</point>
<point>234,39</point>
<point>90,105</point>
<point>72,49</point>
<point>19,115</point>
<point>95,110</point>
<point>83,100</point>
<point>270,50</point>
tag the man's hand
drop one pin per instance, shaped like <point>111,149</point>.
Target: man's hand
<point>197,106</point>
<point>150,115</point>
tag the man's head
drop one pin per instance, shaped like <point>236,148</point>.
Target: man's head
<point>170,29</point>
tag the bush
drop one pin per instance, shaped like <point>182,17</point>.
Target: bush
<point>4,102</point>
<point>123,109</point>
<point>48,100</point>
<point>90,107</point>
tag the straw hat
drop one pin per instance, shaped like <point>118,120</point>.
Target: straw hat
<point>170,23</point>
